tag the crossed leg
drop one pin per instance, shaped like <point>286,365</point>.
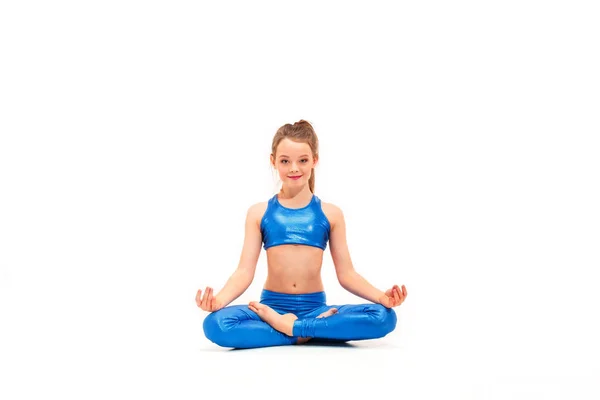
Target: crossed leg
<point>241,327</point>
<point>284,323</point>
<point>347,322</point>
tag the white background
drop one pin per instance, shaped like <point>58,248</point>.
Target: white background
<point>459,139</point>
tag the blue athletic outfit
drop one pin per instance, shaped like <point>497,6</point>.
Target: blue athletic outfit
<point>239,327</point>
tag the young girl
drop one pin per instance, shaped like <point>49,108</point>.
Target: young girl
<point>294,227</point>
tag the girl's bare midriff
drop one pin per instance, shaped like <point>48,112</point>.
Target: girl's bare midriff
<point>294,269</point>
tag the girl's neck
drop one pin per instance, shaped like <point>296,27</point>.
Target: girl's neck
<point>298,195</point>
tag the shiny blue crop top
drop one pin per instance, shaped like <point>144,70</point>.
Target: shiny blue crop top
<point>307,225</point>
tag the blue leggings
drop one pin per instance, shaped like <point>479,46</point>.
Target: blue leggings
<point>239,327</point>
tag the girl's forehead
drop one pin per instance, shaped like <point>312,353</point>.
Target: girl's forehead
<point>291,148</point>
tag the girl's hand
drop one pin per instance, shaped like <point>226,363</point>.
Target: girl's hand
<point>393,297</point>
<point>208,302</point>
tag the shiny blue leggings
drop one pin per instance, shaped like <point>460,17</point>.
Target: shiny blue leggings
<point>239,327</point>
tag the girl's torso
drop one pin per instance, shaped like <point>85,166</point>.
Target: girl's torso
<point>294,268</point>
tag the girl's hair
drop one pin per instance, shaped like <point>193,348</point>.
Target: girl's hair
<point>302,132</point>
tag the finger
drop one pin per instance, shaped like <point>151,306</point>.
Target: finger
<point>205,299</point>
<point>396,296</point>
<point>389,292</point>
<point>210,297</point>
<point>198,297</point>
<point>400,296</point>
<point>213,304</point>
<point>404,291</point>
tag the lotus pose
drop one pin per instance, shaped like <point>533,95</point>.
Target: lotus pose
<point>294,227</point>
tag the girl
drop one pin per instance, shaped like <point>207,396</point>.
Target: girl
<point>294,227</point>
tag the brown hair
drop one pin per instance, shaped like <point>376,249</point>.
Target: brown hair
<point>303,132</point>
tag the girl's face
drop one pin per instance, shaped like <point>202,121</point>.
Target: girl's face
<point>293,161</point>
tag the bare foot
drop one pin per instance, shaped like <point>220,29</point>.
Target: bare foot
<point>283,323</point>
<point>326,314</point>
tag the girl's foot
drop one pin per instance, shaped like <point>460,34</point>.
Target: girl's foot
<point>326,314</point>
<point>283,323</point>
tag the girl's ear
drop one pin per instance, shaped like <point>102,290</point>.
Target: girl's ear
<point>316,161</point>
<point>272,160</point>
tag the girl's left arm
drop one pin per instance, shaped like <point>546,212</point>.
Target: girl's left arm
<point>347,276</point>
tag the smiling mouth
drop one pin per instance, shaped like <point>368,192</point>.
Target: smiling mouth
<point>295,177</point>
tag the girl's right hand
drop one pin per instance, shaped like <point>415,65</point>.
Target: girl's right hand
<point>208,302</point>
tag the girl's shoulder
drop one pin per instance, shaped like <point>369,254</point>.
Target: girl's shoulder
<point>333,212</point>
<point>256,211</point>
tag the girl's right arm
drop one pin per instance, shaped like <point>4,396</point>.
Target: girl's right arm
<point>243,276</point>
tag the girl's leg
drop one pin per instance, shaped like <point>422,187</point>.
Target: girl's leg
<point>351,322</point>
<point>282,322</point>
<point>239,327</point>
<point>280,310</point>
<point>321,312</point>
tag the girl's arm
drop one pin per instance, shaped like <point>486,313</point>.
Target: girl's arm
<point>243,276</point>
<point>349,279</point>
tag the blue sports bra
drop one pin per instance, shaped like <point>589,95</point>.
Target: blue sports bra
<point>307,225</point>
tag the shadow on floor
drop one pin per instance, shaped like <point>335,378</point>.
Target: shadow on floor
<point>316,343</point>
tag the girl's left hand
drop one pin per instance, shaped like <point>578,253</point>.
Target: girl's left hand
<point>394,297</point>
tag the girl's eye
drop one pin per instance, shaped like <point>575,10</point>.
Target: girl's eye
<point>305,160</point>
